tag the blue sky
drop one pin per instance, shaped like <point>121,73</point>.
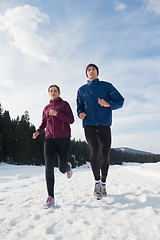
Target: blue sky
<point>51,42</point>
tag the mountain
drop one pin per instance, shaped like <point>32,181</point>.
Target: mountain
<point>133,151</point>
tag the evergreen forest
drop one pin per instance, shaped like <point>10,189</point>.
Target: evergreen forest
<point>18,147</point>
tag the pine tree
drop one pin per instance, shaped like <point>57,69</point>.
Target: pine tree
<point>1,118</point>
<point>1,148</point>
<point>11,147</point>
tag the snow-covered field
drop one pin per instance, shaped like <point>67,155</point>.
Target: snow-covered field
<point>131,211</point>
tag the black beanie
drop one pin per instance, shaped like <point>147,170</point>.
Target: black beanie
<point>92,65</point>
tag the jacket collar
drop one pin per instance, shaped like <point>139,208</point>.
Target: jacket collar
<point>55,100</point>
<point>93,82</point>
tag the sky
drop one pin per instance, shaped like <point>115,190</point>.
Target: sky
<point>52,42</point>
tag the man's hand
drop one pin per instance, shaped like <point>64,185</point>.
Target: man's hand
<point>82,115</point>
<point>103,103</point>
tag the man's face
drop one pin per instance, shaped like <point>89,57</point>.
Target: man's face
<point>92,73</point>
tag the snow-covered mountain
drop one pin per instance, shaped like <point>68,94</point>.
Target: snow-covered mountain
<point>133,151</point>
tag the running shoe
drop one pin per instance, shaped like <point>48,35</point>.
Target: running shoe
<point>70,172</point>
<point>103,190</point>
<point>97,191</point>
<point>49,203</point>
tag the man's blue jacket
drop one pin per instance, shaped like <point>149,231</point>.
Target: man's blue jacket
<point>87,102</point>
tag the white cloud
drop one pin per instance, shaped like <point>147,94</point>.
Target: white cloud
<point>153,6</point>
<point>6,83</point>
<point>21,24</point>
<point>120,6</point>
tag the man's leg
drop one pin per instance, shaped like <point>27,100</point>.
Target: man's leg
<point>92,139</point>
<point>104,135</point>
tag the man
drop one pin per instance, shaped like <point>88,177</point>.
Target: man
<point>95,102</point>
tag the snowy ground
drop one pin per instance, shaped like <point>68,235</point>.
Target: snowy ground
<point>131,211</point>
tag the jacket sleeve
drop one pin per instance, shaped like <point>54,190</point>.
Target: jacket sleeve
<point>43,124</point>
<point>116,100</point>
<point>67,115</point>
<point>80,103</point>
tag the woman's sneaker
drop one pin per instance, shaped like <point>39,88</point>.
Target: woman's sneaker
<point>103,190</point>
<point>49,203</point>
<point>97,191</point>
<point>70,172</point>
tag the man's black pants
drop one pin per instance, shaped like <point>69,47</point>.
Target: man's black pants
<point>99,140</point>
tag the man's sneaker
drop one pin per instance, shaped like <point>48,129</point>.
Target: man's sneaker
<point>49,203</point>
<point>103,190</point>
<point>70,172</point>
<point>97,191</point>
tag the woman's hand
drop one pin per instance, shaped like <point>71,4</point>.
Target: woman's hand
<point>35,135</point>
<point>53,112</point>
<point>82,115</point>
<point>103,103</point>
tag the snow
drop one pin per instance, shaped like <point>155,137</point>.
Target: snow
<point>131,211</point>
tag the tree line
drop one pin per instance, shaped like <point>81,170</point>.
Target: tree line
<point>18,147</point>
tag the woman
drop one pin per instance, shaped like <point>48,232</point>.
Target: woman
<point>57,117</point>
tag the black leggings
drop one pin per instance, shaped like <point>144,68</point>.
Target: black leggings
<point>52,147</point>
<point>99,140</point>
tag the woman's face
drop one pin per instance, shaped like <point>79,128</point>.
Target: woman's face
<point>53,93</point>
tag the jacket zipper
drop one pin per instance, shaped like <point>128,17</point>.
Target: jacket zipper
<point>53,123</point>
<point>62,125</point>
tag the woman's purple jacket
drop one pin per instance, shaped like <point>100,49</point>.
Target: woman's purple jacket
<point>57,126</point>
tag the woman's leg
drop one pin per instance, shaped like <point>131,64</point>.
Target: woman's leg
<point>63,149</point>
<point>49,155</point>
